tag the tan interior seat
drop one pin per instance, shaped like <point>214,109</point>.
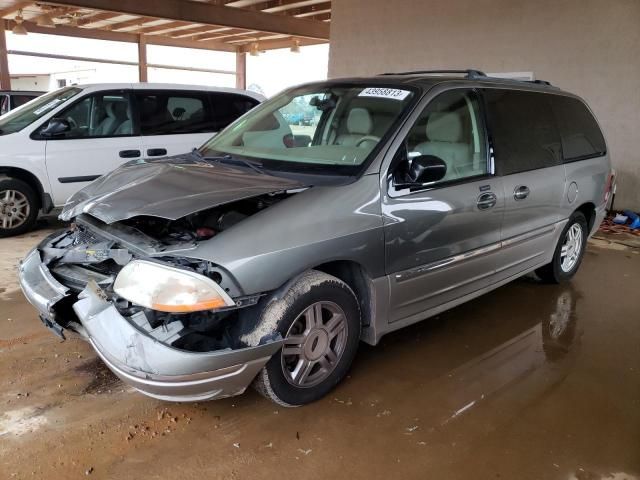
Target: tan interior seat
<point>445,133</point>
<point>359,125</point>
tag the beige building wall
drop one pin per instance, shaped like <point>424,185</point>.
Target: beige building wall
<point>589,47</point>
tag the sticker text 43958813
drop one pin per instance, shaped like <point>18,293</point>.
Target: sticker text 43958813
<point>382,92</point>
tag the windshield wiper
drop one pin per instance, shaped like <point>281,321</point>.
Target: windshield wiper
<point>227,158</point>
<point>255,166</point>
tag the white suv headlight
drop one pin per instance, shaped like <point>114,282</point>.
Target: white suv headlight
<point>168,289</point>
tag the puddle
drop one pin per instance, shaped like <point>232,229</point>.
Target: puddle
<point>584,475</point>
<point>103,379</point>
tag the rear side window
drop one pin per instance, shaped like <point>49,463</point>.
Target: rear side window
<point>166,113</point>
<point>581,136</point>
<point>227,107</point>
<point>523,129</point>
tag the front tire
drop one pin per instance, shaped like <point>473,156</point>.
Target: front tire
<point>568,253</point>
<point>319,318</point>
<point>18,207</point>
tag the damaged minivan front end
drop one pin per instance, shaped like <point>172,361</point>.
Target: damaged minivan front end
<point>166,323</point>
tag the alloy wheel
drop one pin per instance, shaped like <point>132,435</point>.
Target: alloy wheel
<point>314,344</point>
<point>571,248</point>
<point>14,209</point>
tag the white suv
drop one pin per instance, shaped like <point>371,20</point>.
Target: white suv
<point>58,143</point>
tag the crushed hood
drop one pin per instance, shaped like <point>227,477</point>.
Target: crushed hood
<point>170,189</point>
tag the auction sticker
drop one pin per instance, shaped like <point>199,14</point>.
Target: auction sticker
<point>382,92</point>
<point>47,106</point>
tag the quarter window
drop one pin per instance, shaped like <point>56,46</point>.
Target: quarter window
<point>451,128</point>
<point>174,113</point>
<point>580,134</point>
<point>523,130</point>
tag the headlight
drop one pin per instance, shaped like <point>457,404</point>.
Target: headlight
<point>169,289</point>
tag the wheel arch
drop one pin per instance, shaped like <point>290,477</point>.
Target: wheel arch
<point>356,277</point>
<point>28,178</point>
<point>588,209</point>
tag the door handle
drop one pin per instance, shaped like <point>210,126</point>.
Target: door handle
<point>487,200</point>
<point>156,152</point>
<point>521,192</point>
<point>129,153</point>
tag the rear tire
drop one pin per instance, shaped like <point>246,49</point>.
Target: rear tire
<point>319,318</point>
<point>568,253</point>
<point>18,207</point>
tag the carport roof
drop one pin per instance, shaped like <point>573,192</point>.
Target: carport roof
<point>226,25</point>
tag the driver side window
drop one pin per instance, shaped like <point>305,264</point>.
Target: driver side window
<point>105,114</point>
<point>451,128</point>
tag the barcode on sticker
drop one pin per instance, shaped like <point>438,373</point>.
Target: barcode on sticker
<point>381,92</point>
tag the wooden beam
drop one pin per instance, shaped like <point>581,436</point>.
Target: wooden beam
<point>204,13</point>
<point>116,62</point>
<point>134,22</point>
<point>164,28</point>
<point>53,13</point>
<point>286,7</point>
<point>142,59</point>
<point>123,37</point>
<point>280,43</point>
<point>241,70</point>
<point>5,77</point>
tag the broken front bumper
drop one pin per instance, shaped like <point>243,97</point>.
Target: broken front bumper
<point>150,366</point>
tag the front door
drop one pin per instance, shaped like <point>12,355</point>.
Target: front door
<point>101,136</point>
<point>528,154</point>
<point>442,239</point>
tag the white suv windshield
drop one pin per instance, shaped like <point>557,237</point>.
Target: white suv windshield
<point>25,115</point>
<point>330,126</point>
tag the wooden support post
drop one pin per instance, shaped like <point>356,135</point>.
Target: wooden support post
<point>142,59</point>
<point>241,70</point>
<point>5,78</point>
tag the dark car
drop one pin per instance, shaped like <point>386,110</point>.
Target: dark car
<point>11,99</point>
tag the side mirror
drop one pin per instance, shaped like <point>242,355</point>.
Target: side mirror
<point>426,169</point>
<point>55,127</point>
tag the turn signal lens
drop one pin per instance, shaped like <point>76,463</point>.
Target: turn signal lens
<point>169,289</point>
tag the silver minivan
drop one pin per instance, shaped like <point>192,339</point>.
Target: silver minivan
<point>269,253</point>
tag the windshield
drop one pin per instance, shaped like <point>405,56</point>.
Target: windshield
<point>331,128</point>
<point>28,113</point>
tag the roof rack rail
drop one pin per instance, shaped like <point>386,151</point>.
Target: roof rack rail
<point>539,82</point>
<point>469,73</point>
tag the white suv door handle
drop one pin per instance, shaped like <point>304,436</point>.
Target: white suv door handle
<point>521,192</point>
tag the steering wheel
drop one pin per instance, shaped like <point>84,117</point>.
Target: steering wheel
<point>367,138</point>
<point>72,123</point>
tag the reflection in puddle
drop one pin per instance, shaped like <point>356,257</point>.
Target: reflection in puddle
<point>536,348</point>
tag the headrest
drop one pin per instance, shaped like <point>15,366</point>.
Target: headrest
<point>359,121</point>
<point>117,110</point>
<point>444,127</point>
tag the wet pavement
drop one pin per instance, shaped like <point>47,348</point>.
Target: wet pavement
<point>528,382</point>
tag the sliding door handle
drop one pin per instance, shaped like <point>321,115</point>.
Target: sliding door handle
<point>156,152</point>
<point>130,153</point>
<point>487,200</point>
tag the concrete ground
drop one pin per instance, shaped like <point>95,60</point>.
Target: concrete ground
<point>528,382</point>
